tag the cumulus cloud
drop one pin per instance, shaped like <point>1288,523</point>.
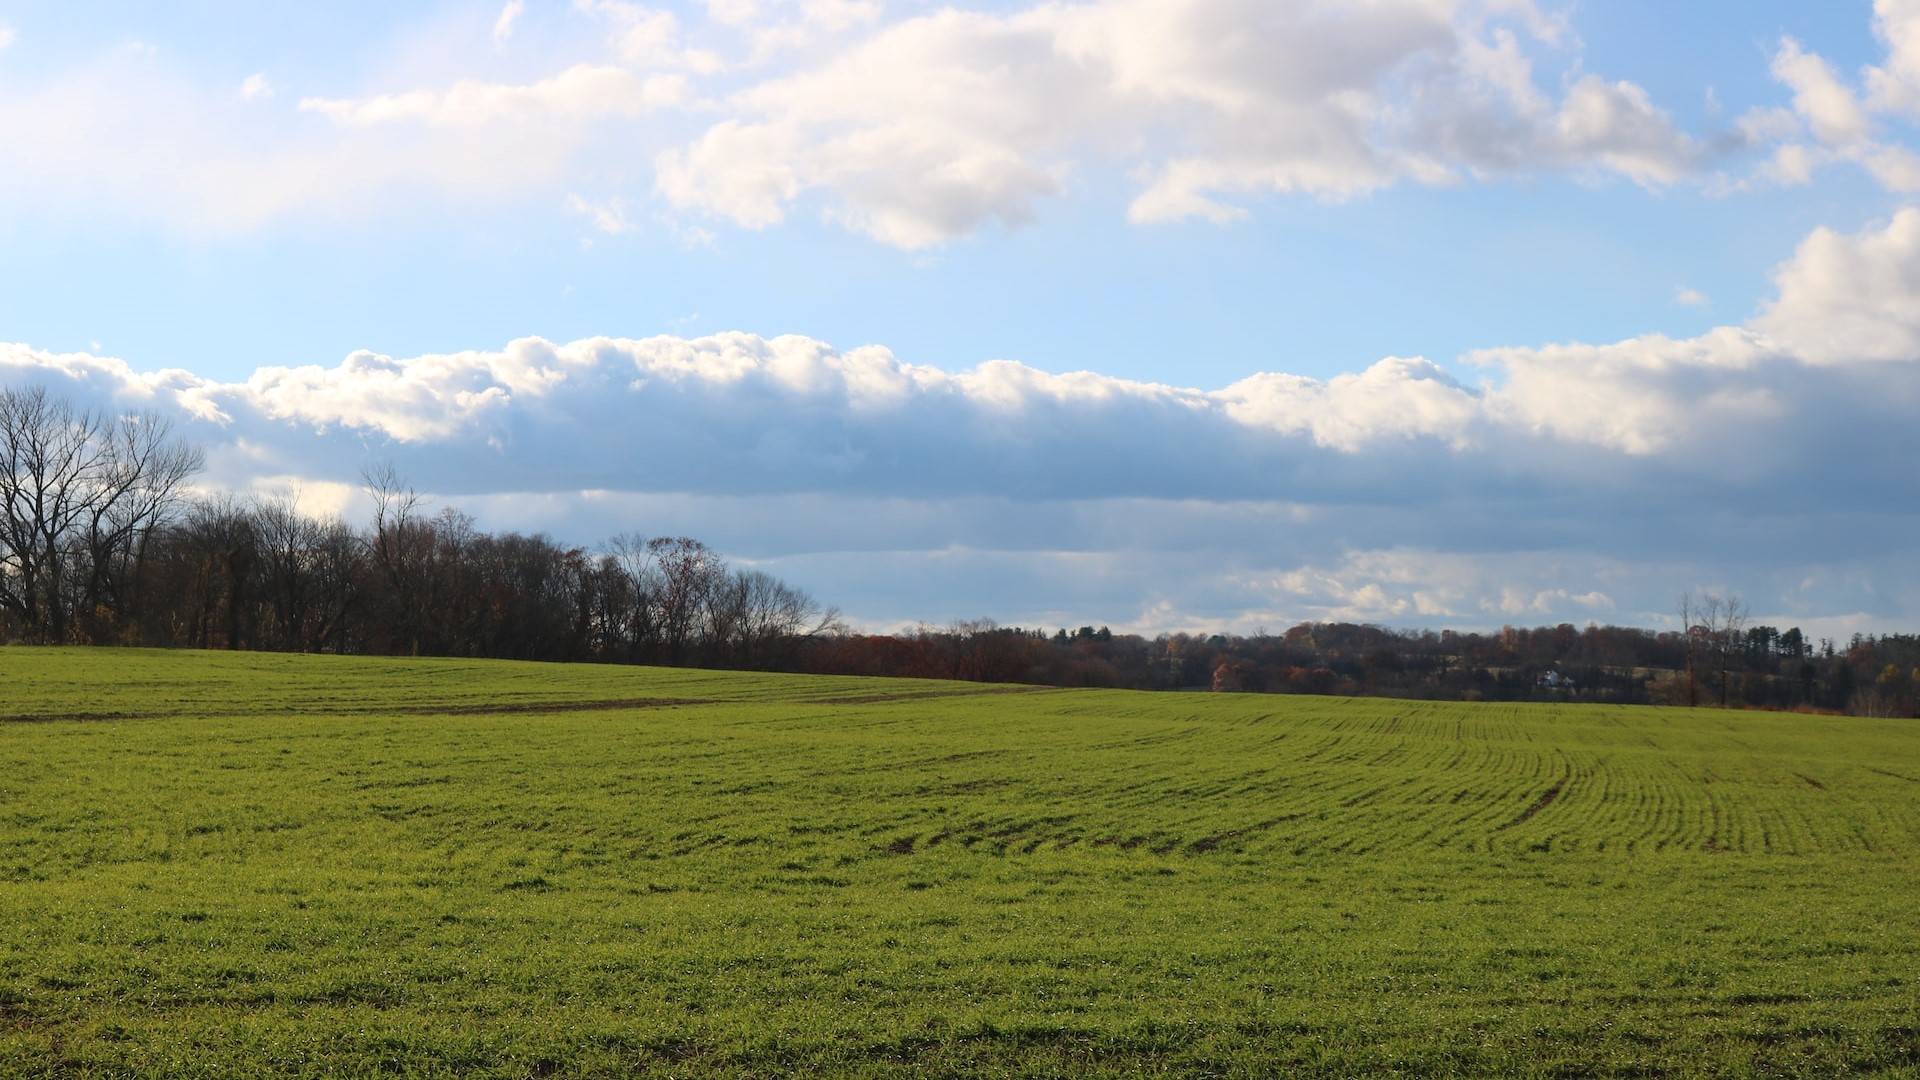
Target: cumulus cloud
<point>1828,106</point>
<point>940,124</point>
<point>1894,85</point>
<point>1641,396</point>
<point>1616,126</point>
<point>1848,124</point>
<point>1393,399</point>
<point>1850,298</point>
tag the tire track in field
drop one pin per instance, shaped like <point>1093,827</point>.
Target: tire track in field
<point>515,708</point>
<point>502,708</point>
<point>85,717</point>
<point>907,697</point>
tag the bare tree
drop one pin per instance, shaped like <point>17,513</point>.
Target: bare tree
<point>1715,628</point>
<point>49,456</point>
<point>1726,621</point>
<point>218,543</point>
<point>624,608</point>
<point>80,492</point>
<point>143,477</point>
<point>309,568</point>
<point>683,575</point>
<point>1689,609</point>
<point>340,568</point>
<point>94,547</point>
<point>763,612</point>
<point>525,597</point>
<point>400,552</point>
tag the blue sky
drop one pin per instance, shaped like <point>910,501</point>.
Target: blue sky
<point>1168,314</point>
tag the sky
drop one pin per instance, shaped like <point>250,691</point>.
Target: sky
<point>1167,315</point>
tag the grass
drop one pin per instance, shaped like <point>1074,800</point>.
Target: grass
<point>253,865</point>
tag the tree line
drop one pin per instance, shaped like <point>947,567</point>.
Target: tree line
<point>102,542</point>
<point>1722,662</point>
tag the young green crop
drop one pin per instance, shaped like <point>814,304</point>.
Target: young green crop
<point>242,865</point>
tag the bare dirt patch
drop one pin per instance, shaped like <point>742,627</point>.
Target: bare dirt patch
<point>1546,799</point>
<point>1211,843</point>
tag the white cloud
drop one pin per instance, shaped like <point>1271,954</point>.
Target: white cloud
<point>509,15</point>
<point>734,171</point>
<point>772,27</point>
<point>130,135</point>
<point>1641,397</point>
<point>1841,117</point>
<point>1616,125</point>
<point>581,91</point>
<point>1765,126</point>
<point>1792,165</point>
<point>1393,399</point>
<point>641,34</point>
<point>1896,168</point>
<point>130,139</point>
<point>1850,298</point>
<point>8,35</point>
<point>1686,297</point>
<point>927,131</point>
<point>1894,86</point>
<point>1827,105</point>
<point>610,216</point>
<point>1404,585</point>
<point>648,37</point>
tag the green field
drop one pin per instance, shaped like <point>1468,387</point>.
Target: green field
<point>261,865</point>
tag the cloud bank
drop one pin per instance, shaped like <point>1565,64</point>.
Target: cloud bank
<point>1569,482</point>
